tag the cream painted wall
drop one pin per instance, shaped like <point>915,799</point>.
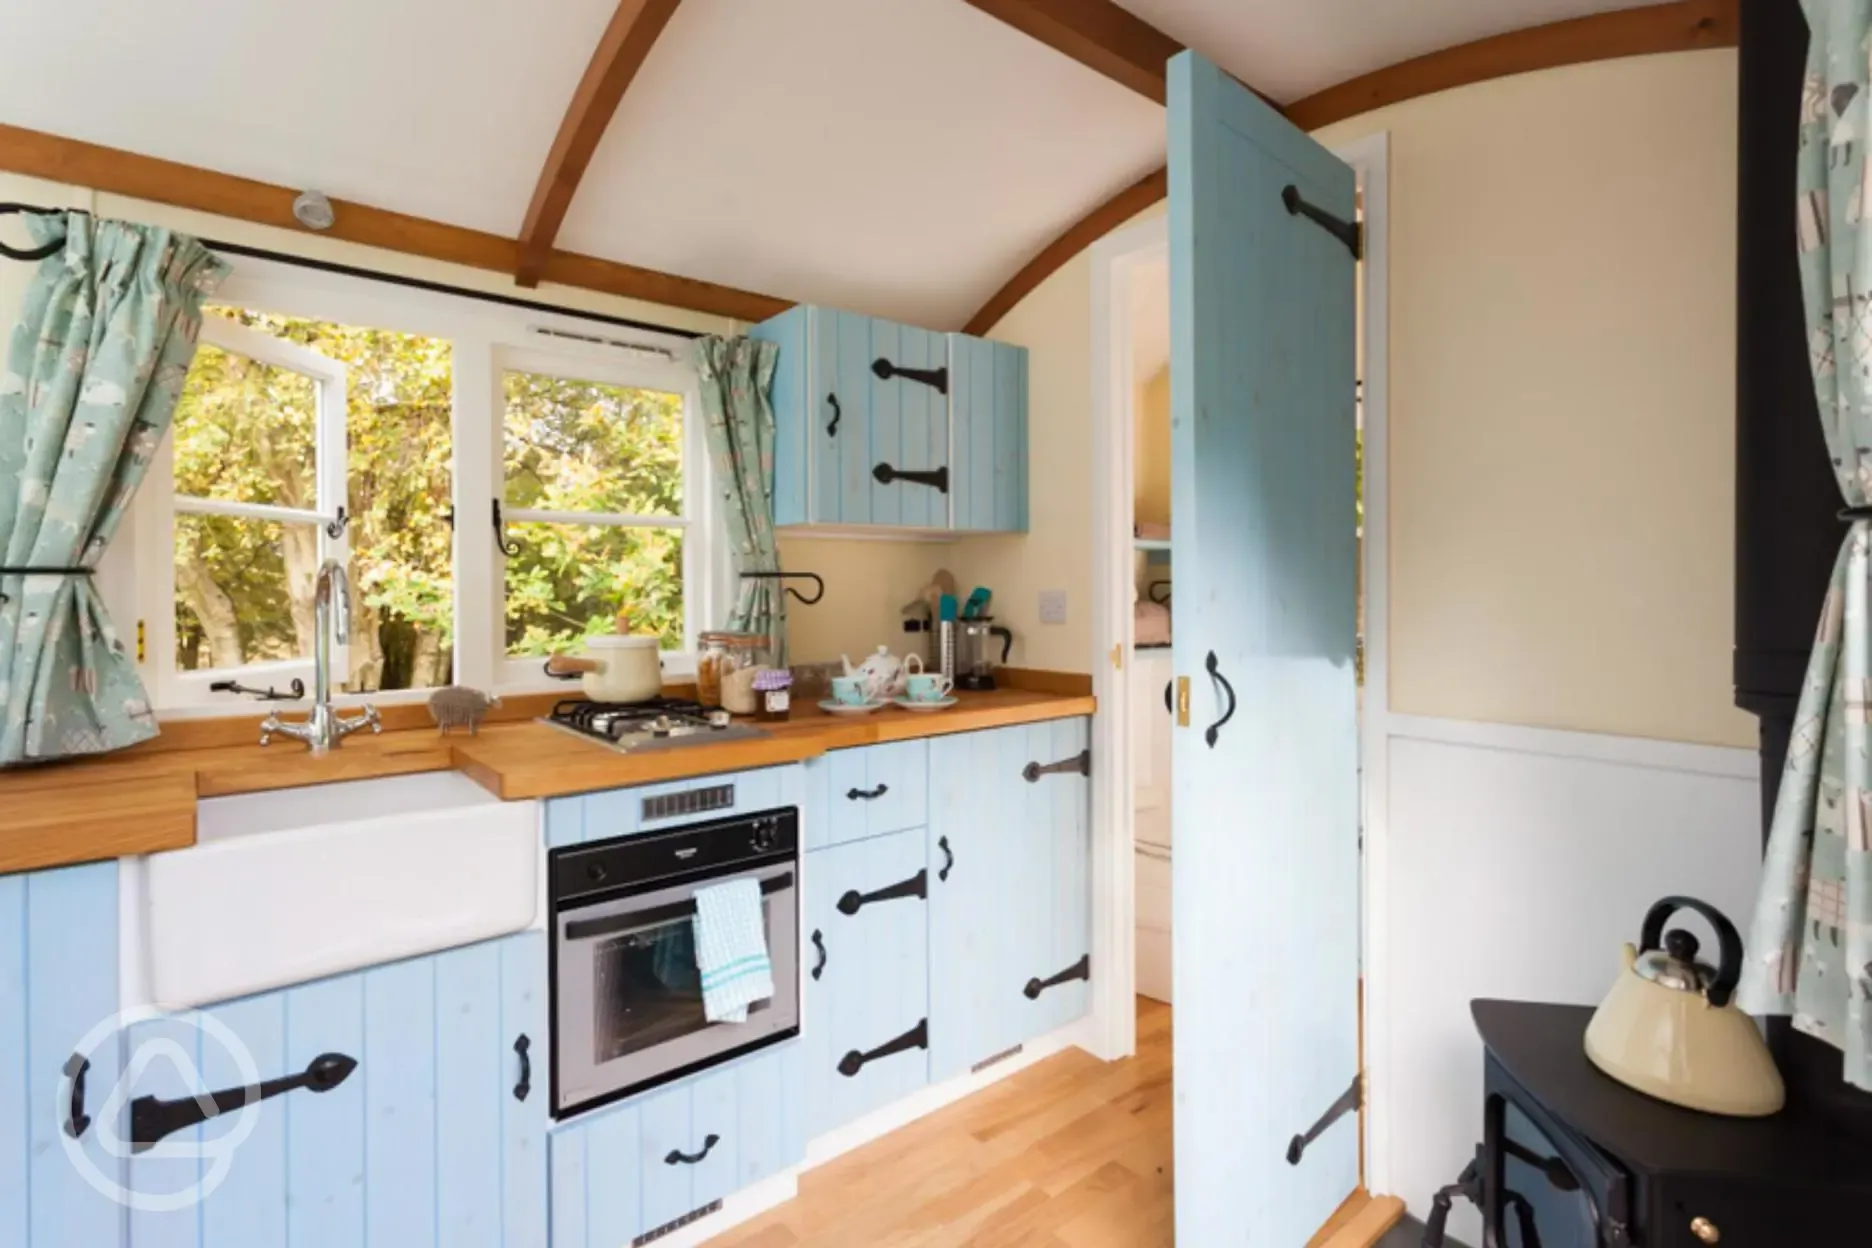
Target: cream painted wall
<point>1151,477</point>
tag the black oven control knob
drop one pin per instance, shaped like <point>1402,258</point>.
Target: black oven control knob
<point>763,838</point>
<point>596,873</point>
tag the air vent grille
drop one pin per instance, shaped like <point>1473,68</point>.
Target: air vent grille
<point>688,802</point>
<point>996,1060</point>
<point>694,1215</point>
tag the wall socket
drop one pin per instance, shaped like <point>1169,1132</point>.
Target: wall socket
<point>1052,606</point>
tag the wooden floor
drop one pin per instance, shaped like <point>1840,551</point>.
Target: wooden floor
<point>1069,1153</point>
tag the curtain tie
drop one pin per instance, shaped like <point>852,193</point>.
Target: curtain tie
<point>43,572</point>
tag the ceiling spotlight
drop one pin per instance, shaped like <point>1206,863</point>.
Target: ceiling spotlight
<point>312,210</point>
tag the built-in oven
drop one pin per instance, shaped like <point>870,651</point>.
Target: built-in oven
<point>627,995</point>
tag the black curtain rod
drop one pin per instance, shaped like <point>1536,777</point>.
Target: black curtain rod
<point>348,270</point>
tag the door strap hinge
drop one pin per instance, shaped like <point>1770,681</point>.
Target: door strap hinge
<point>1347,1103</point>
<point>1348,232</point>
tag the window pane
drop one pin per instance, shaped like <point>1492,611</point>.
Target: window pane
<point>571,580</point>
<point>589,446</point>
<point>235,591</point>
<point>247,432</point>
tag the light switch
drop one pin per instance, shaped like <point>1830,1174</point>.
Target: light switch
<point>1052,606</point>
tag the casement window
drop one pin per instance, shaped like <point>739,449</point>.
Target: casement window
<point>497,482</point>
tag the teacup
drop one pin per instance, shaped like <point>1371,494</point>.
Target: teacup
<point>851,690</point>
<point>928,687</point>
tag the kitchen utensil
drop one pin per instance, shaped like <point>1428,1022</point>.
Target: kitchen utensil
<point>850,691</point>
<point>616,667</point>
<point>933,704</point>
<point>946,607</point>
<point>846,708</point>
<point>720,655</point>
<point>943,648</point>
<point>975,660</point>
<point>1670,1027</point>
<point>927,687</point>
<point>976,608</point>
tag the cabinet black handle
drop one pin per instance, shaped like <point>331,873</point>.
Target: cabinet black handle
<point>76,1120</point>
<point>942,843</point>
<point>523,1048</point>
<point>818,940</point>
<point>152,1119</point>
<point>1215,673</point>
<point>916,1038</point>
<point>916,886</point>
<point>935,478</point>
<point>867,795</point>
<point>837,415</point>
<point>1082,969</point>
<point>1080,763</point>
<point>936,379</point>
<point>1168,708</point>
<point>676,1157</point>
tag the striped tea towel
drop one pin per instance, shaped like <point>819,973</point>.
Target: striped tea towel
<point>731,950</point>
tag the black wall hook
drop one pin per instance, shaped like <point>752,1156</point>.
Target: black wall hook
<point>31,253</point>
<point>508,548</point>
<point>1347,232</point>
<point>814,577</point>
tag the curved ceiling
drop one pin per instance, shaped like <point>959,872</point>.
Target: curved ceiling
<point>900,157</point>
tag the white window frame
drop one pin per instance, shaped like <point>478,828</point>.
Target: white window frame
<point>158,504</point>
<point>484,335</point>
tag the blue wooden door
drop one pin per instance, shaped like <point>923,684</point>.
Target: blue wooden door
<point>867,1009</point>
<point>1266,874</point>
<point>988,419</point>
<point>58,983</point>
<point>437,1137</point>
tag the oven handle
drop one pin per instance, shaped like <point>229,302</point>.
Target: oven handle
<point>643,920</point>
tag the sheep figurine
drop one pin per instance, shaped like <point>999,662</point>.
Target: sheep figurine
<point>460,707</point>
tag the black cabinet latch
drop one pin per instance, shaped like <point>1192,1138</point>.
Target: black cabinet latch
<point>1082,969</point>
<point>1347,1103</point>
<point>936,379</point>
<point>1080,763</point>
<point>935,478</point>
<point>916,1038</point>
<point>916,886</point>
<point>152,1119</point>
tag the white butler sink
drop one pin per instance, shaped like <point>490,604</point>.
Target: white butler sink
<point>292,885</point>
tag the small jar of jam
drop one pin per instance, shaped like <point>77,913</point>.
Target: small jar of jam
<point>773,694</point>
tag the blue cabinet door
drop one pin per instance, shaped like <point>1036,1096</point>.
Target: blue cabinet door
<point>988,419</point>
<point>437,1136</point>
<point>58,984</point>
<point>867,985</point>
<point>1266,875</point>
<point>856,793</point>
<point>1010,891</point>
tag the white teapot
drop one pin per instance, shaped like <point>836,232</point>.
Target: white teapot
<point>885,675</point>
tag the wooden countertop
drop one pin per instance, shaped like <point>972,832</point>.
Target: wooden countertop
<point>143,801</point>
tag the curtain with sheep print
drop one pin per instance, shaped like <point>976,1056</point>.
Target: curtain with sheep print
<point>737,402</point>
<point>95,367</point>
<point>1810,950</point>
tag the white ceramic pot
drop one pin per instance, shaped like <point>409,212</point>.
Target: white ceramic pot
<point>615,668</point>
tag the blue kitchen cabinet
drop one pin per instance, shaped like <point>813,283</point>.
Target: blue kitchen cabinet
<point>867,976</point>
<point>859,793</point>
<point>436,1137</point>
<point>1010,890</point>
<point>988,423</point>
<point>639,1165</point>
<point>58,987</point>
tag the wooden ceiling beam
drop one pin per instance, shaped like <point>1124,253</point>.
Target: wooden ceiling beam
<point>1687,25</point>
<point>1096,33</point>
<point>627,41</point>
<point>118,172</point>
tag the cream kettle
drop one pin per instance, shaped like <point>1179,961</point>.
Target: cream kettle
<point>1670,1027</point>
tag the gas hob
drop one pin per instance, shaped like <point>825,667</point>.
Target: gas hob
<point>660,724</point>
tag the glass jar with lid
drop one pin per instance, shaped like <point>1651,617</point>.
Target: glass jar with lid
<point>720,657</point>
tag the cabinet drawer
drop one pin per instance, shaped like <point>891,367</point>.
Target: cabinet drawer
<point>867,792</point>
<point>656,807</point>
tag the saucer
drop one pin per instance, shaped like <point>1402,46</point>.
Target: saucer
<point>841,708</point>
<point>934,704</point>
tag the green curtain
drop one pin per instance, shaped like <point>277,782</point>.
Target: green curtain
<point>97,361</point>
<point>1810,950</point>
<point>737,400</point>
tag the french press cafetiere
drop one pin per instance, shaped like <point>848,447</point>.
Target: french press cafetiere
<point>975,660</point>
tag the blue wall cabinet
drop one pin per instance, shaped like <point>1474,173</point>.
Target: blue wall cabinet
<point>861,402</point>
<point>1010,890</point>
<point>867,976</point>
<point>867,792</point>
<point>437,1138</point>
<point>1266,875</point>
<point>58,982</point>
<point>632,1167</point>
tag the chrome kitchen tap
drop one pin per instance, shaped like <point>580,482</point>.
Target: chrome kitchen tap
<point>324,727</point>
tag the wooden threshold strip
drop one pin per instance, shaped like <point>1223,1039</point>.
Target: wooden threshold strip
<point>1360,1221</point>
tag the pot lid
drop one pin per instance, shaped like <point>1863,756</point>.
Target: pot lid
<point>1675,965</point>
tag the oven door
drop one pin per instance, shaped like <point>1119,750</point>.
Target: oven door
<point>628,997</point>
<point>1545,1188</point>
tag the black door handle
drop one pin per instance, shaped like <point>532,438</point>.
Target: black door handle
<point>523,1047</point>
<point>676,1157</point>
<point>76,1120</point>
<point>1080,762</point>
<point>1215,673</point>
<point>867,795</point>
<point>1168,708</point>
<point>916,886</point>
<point>942,843</point>
<point>935,478</point>
<point>916,1038</point>
<point>1082,969</point>
<point>152,1119</point>
<point>818,940</point>
<point>837,415</point>
<point>935,378</point>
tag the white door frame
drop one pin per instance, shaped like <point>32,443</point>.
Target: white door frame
<point>1116,259</point>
